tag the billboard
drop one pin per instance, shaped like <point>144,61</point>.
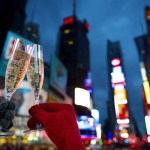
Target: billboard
<point>58,74</point>
<point>87,126</point>
<point>120,93</point>
<point>7,49</point>
<point>82,97</point>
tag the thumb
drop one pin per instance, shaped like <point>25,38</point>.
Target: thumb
<point>38,113</point>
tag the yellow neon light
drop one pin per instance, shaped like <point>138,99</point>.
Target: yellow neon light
<point>147,91</point>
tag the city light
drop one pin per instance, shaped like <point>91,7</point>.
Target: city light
<point>82,97</point>
<point>123,121</point>
<point>115,62</point>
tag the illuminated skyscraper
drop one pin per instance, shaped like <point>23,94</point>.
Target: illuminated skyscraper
<point>118,102</point>
<point>142,47</point>
<point>74,52</point>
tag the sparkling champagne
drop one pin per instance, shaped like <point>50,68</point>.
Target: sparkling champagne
<point>16,70</point>
<point>35,73</point>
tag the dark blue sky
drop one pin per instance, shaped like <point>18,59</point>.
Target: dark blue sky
<point>109,19</point>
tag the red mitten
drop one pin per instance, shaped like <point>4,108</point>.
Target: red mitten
<point>60,124</point>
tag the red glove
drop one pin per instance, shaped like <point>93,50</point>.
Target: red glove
<point>59,121</point>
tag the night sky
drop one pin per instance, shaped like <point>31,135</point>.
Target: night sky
<point>114,20</point>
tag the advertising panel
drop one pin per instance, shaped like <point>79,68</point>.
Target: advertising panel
<point>58,74</point>
<point>87,126</point>
<point>120,94</point>
<point>82,97</point>
<point>7,49</point>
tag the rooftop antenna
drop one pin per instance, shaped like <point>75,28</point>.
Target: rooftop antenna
<point>74,7</point>
<point>33,12</point>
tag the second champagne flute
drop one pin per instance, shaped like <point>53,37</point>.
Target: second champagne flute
<point>35,75</point>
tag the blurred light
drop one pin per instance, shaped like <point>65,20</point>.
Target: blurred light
<point>93,142</point>
<point>124,135</point>
<point>115,62</point>
<point>30,138</point>
<point>95,114</point>
<point>70,42</point>
<point>29,28</point>
<point>100,142</point>
<point>126,140</point>
<point>99,131</point>
<point>122,121</point>
<point>115,139</point>
<point>110,135</point>
<point>147,122</point>
<point>82,97</point>
<point>67,31</point>
<point>121,101</point>
<point>118,87</point>
<point>148,138</point>
<point>69,20</point>
<point>147,91</point>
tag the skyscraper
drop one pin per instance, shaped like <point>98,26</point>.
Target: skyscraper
<point>74,51</point>
<point>12,18</point>
<point>142,47</point>
<point>147,57</point>
<point>32,32</point>
<point>118,109</point>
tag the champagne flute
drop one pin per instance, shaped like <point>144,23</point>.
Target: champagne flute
<point>35,76</point>
<point>15,73</point>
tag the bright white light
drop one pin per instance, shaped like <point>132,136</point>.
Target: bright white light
<point>117,77</point>
<point>95,114</point>
<point>99,131</point>
<point>122,121</point>
<point>82,97</point>
<point>121,101</point>
<point>118,87</point>
<point>120,95</point>
<point>147,122</point>
<point>124,135</point>
<point>93,142</point>
<point>148,138</point>
<point>115,61</point>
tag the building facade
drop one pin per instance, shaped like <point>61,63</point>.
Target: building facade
<point>118,109</point>
<point>12,18</point>
<point>74,52</point>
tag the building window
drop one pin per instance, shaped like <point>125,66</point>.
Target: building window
<point>70,42</point>
<point>67,31</point>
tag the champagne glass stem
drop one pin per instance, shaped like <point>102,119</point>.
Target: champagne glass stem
<point>36,94</point>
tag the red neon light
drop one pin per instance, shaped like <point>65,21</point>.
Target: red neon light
<point>68,20</point>
<point>115,62</point>
<point>86,25</point>
<point>145,102</point>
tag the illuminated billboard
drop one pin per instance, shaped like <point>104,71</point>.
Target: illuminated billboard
<point>87,126</point>
<point>146,85</point>
<point>58,74</point>
<point>8,48</point>
<point>82,97</point>
<point>120,96</point>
